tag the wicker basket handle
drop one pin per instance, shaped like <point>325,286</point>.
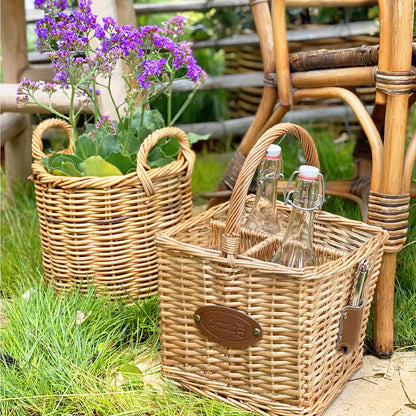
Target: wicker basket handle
<point>160,134</point>
<point>230,241</point>
<point>150,141</point>
<point>37,144</point>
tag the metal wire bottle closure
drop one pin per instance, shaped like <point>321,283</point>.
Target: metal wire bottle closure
<point>297,246</point>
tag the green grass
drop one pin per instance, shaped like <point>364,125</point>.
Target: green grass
<point>52,365</point>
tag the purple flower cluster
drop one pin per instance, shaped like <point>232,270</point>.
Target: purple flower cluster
<point>150,68</point>
<point>84,51</point>
<point>51,6</point>
<point>106,124</point>
<point>175,26</point>
<point>27,88</point>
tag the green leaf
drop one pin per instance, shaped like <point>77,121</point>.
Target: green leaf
<point>194,137</point>
<point>160,162</point>
<point>171,147</point>
<point>124,163</point>
<point>57,160</point>
<point>108,144</point>
<point>152,120</point>
<point>58,172</point>
<point>70,169</point>
<point>85,147</point>
<point>133,144</point>
<point>97,166</point>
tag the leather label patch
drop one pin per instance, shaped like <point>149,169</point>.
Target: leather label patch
<point>227,326</point>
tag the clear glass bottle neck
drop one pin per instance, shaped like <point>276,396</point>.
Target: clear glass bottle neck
<point>267,180</point>
<point>297,245</point>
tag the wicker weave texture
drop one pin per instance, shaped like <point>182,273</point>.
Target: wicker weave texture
<point>100,230</point>
<point>295,369</point>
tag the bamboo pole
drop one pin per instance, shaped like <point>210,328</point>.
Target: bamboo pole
<point>385,16</point>
<point>342,77</point>
<point>281,53</point>
<point>392,173</point>
<point>342,30</point>
<point>17,152</point>
<point>263,20</point>
<point>200,5</point>
<point>59,101</point>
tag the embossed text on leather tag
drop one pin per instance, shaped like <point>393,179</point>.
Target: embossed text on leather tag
<point>227,326</point>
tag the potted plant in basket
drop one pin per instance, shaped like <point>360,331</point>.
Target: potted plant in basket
<point>101,200</point>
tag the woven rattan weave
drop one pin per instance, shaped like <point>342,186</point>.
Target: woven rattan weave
<point>100,230</point>
<point>295,369</point>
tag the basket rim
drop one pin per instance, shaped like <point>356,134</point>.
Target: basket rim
<point>167,238</point>
<point>40,174</point>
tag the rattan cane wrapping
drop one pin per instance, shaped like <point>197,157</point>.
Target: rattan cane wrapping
<point>295,369</point>
<point>100,230</point>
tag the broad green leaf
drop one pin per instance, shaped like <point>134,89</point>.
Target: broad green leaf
<point>70,169</point>
<point>160,162</point>
<point>58,172</point>
<point>171,147</point>
<point>85,147</point>
<point>97,166</point>
<point>107,145</point>
<point>152,120</point>
<point>194,137</point>
<point>132,145</point>
<point>155,154</point>
<point>124,163</point>
<point>57,161</point>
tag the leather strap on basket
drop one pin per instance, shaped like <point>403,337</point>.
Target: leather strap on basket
<point>350,328</point>
<point>37,144</point>
<point>151,141</point>
<point>238,197</point>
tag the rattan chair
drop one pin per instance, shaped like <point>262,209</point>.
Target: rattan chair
<point>382,181</point>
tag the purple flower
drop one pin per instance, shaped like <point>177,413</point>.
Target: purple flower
<point>51,6</point>
<point>105,124</point>
<point>150,68</point>
<point>49,88</point>
<point>175,26</point>
<point>25,89</point>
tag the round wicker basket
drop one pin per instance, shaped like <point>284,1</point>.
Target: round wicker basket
<point>100,230</point>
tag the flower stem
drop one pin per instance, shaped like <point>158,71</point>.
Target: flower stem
<point>170,103</point>
<point>183,108</point>
<point>49,108</point>
<point>112,98</point>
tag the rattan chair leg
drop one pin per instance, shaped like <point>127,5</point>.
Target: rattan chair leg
<point>399,63</point>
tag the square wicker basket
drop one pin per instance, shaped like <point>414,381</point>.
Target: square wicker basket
<point>296,367</point>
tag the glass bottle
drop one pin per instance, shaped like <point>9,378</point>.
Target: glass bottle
<point>263,216</point>
<point>297,245</point>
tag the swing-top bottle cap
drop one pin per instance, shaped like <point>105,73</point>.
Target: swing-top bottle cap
<point>308,172</point>
<point>274,151</point>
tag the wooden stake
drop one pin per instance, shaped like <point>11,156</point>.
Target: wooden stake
<point>17,152</point>
<point>118,85</point>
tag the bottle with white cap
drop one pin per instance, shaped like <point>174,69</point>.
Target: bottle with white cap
<point>297,245</point>
<point>263,216</point>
